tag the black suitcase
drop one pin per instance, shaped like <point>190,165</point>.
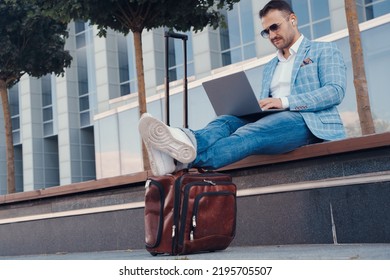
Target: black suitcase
<point>189,212</point>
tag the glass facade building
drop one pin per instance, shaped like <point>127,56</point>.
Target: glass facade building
<point>83,126</point>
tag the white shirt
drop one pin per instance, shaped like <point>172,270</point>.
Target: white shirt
<point>281,80</point>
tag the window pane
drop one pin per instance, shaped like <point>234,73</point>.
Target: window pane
<point>190,51</point>
<point>172,75</point>
<point>47,114</point>
<point>46,90</point>
<point>123,59</point>
<point>84,103</point>
<point>83,88</point>
<point>320,9</point>
<point>246,21</point>
<point>79,26</point>
<point>236,55</point>
<point>249,51</point>
<point>379,9</point>
<point>306,32</point>
<point>171,53</point>
<point>131,57</point>
<point>123,74</point>
<point>224,35</point>
<point>80,41</point>
<point>84,119</point>
<point>126,62</point>
<point>226,58</point>
<point>125,89</point>
<point>237,39</point>
<point>14,109</point>
<point>180,72</point>
<point>133,86</point>
<point>16,137</point>
<point>82,71</point>
<point>301,9</point>
<point>234,29</point>
<point>360,12</point>
<point>48,129</point>
<point>15,123</point>
<point>321,29</point>
<point>178,52</point>
<point>13,96</point>
<point>46,99</point>
<point>190,69</point>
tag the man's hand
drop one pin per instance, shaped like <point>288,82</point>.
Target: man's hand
<point>271,103</point>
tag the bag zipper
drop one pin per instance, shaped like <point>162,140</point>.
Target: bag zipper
<point>176,208</point>
<point>176,212</point>
<point>196,206</point>
<point>185,201</point>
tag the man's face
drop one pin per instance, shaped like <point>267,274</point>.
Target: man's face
<point>282,32</point>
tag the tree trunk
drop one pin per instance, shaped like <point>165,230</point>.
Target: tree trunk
<point>141,88</point>
<point>360,81</point>
<point>10,155</point>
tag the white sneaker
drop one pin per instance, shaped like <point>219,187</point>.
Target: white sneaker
<point>160,163</point>
<point>172,141</point>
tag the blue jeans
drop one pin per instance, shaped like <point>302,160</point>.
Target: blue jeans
<point>228,139</point>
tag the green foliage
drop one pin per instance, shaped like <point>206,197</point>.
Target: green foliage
<point>30,43</point>
<point>135,16</point>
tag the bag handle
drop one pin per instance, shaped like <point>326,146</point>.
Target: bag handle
<point>184,37</point>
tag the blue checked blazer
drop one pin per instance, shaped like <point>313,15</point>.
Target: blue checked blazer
<point>317,86</point>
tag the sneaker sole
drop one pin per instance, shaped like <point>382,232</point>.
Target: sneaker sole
<point>156,134</point>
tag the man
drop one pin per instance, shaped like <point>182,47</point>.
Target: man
<point>306,78</point>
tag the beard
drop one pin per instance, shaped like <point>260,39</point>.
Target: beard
<point>283,42</point>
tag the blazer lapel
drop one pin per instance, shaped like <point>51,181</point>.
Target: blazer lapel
<point>267,77</point>
<point>301,54</point>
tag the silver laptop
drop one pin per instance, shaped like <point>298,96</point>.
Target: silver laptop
<point>233,95</point>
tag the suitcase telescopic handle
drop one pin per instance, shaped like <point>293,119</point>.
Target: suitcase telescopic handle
<point>176,35</point>
<point>184,37</point>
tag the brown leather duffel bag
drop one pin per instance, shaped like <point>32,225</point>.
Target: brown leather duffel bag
<point>189,212</point>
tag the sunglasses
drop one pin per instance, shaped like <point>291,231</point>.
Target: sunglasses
<point>273,27</point>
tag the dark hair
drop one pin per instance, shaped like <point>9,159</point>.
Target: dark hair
<point>279,5</point>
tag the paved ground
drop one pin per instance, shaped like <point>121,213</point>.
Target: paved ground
<point>285,252</point>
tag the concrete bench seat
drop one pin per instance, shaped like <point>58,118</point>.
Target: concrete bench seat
<point>317,150</point>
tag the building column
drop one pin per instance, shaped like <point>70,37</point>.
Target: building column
<point>207,51</point>
<point>68,119</point>
<point>337,14</point>
<point>32,133</point>
<point>106,67</point>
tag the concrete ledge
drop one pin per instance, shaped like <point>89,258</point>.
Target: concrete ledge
<point>31,212</point>
<point>306,152</point>
<point>75,188</point>
<point>334,192</point>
